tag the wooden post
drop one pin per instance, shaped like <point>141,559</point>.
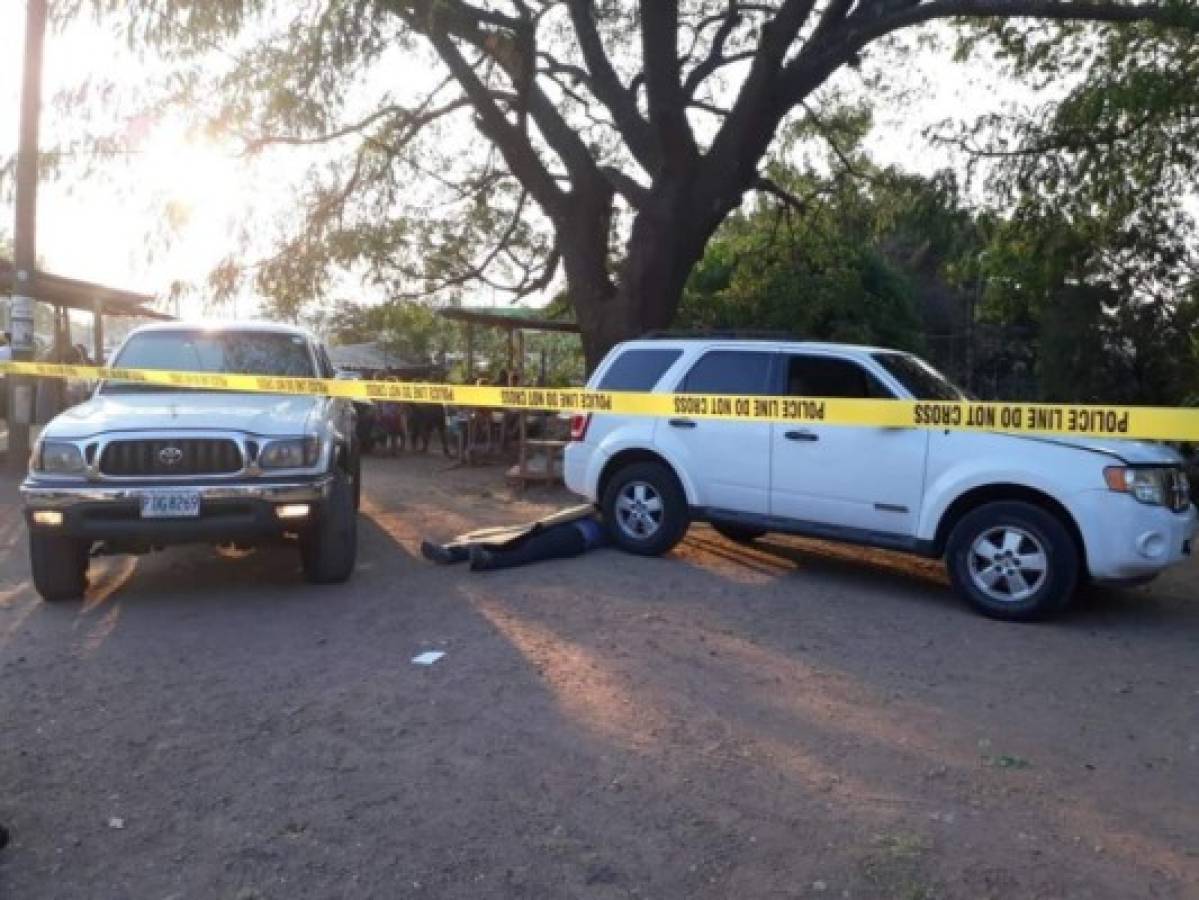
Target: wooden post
<point>470,352</point>
<point>98,331</point>
<point>62,333</point>
<point>21,396</point>
<point>518,345</point>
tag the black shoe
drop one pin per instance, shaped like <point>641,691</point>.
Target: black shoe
<point>436,553</point>
<point>481,560</point>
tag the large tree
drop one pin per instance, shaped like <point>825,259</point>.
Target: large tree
<point>616,135</point>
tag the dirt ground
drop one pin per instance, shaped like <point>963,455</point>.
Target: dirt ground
<point>791,720</point>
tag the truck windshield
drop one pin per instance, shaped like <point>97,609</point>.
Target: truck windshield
<point>922,380</point>
<point>248,352</point>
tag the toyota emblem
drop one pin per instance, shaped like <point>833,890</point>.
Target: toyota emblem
<point>170,456</point>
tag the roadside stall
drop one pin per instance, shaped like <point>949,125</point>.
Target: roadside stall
<point>62,295</point>
<point>539,458</point>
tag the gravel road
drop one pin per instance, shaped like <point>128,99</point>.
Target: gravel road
<point>789,720</point>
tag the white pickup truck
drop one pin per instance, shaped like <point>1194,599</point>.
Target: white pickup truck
<point>139,466</point>
<point>1018,520</point>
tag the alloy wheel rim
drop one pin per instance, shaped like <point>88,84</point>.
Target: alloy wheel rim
<point>1008,564</point>
<point>639,510</point>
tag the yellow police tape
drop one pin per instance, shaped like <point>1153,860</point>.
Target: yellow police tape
<point>1145,422</point>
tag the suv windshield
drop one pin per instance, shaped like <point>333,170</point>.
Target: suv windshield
<point>922,380</point>
<point>248,352</point>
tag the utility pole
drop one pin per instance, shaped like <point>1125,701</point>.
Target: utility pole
<point>21,396</point>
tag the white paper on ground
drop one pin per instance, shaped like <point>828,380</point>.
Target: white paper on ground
<point>427,658</point>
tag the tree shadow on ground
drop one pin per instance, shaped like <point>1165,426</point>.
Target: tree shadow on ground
<point>717,723</point>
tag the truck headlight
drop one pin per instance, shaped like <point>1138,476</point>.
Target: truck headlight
<point>290,453</point>
<point>1155,486</point>
<point>58,458</point>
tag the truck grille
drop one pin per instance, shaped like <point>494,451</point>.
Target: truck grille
<point>166,457</point>
<point>1178,490</point>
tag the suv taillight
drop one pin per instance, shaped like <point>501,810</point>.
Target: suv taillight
<point>579,424</point>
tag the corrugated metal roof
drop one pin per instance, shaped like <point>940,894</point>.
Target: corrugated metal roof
<point>514,319</point>
<point>369,356</point>
<point>82,295</point>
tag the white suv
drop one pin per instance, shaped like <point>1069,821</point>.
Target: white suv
<point>1019,520</point>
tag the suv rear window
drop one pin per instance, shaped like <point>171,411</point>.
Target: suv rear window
<point>729,372</point>
<point>823,376</point>
<point>637,370</point>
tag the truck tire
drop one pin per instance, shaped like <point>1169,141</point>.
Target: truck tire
<point>645,509</point>
<point>738,534</point>
<point>356,474</point>
<point>59,566</point>
<point>329,549</point>
<point>1014,561</point>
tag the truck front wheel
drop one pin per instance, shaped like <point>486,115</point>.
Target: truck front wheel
<point>329,549</point>
<point>59,566</point>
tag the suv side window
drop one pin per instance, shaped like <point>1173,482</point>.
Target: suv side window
<point>637,370</point>
<point>826,376</point>
<point>730,372</point>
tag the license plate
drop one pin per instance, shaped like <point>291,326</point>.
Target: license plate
<point>171,505</point>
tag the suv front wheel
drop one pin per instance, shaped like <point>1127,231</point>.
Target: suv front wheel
<point>645,509</point>
<point>1013,560</point>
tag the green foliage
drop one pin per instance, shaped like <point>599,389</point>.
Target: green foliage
<point>896,259</point>
<point>1099,251</point>
<point>823,285</point>
<point>1097,338</point>
<point>408,330</point>
<point>524,134</point>
<point>874,259</point>
<point>520,137</point>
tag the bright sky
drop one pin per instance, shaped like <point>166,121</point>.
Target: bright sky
<point>107,227</point>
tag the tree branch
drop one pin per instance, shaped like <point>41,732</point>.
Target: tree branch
<point>751,122</point>
<point>716,57</point>
<point>774,189</point>
<point>413,119</point>
<point>663,86</point>
<point>511,141</point>
<point>516,55</point>
<point>605,84</point>
<point>637,195</point>
<point>819,58</point>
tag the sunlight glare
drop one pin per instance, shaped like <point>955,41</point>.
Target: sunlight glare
<point>192,173</point>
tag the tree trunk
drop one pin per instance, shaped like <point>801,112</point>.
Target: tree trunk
<point>667,240</point>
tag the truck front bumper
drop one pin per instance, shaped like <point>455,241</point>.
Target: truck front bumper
<point>229,512</point>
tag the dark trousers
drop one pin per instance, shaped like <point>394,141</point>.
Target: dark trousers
<point>554,542</point>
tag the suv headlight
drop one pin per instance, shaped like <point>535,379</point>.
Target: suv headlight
<point>1155,486</point>
<point>59,458</point>
<point>291,453</point>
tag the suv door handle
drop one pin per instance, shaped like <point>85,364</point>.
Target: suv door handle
<point>801,435</point>
<point>682,423</point>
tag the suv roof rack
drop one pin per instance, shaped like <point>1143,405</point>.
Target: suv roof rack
<point>739,334</point>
